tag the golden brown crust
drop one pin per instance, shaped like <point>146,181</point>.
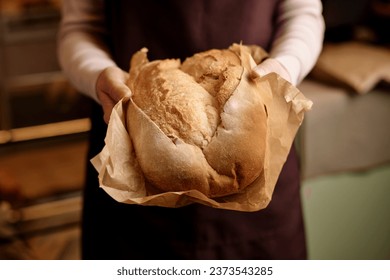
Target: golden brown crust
<point>197,125</point>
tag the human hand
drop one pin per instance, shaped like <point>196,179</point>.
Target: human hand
<point>272,65</point>
<point>110,88</point>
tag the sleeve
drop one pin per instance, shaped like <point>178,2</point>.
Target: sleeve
<point>81,51</point>
<point>299,37</point>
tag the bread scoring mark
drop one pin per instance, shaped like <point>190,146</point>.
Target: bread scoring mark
<point>266,110</point>
<point>191,104</point>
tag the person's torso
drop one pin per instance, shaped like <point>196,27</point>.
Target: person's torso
<point>178,29</point>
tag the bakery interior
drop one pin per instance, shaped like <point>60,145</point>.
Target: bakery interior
<point>344,141</point>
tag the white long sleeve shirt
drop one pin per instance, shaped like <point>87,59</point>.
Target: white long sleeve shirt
<point>83,55</point>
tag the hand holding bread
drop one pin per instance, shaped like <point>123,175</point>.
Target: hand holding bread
<point>209,130</point>
<point>110,88</point>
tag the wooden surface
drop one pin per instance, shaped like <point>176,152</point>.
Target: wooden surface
<point>40,198</point>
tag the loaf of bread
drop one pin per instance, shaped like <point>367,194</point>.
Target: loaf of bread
<point>199,124</point>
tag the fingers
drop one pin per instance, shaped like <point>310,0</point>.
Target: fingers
<point>107,105</point>
<point>110,88</point>
<point>112,82</point>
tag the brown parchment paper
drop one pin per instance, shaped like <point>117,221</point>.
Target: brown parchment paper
<point>121,177</point>
<point>354,65</point>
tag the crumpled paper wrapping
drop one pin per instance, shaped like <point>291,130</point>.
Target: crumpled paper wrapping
<point>122,178</point>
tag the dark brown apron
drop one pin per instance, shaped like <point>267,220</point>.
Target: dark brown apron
<point>111,230</point>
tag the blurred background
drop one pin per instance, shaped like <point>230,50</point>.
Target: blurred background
<point>43,128</point>
<point>344,141</point>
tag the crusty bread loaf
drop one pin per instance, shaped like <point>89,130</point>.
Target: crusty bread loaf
<point>200,124</point>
